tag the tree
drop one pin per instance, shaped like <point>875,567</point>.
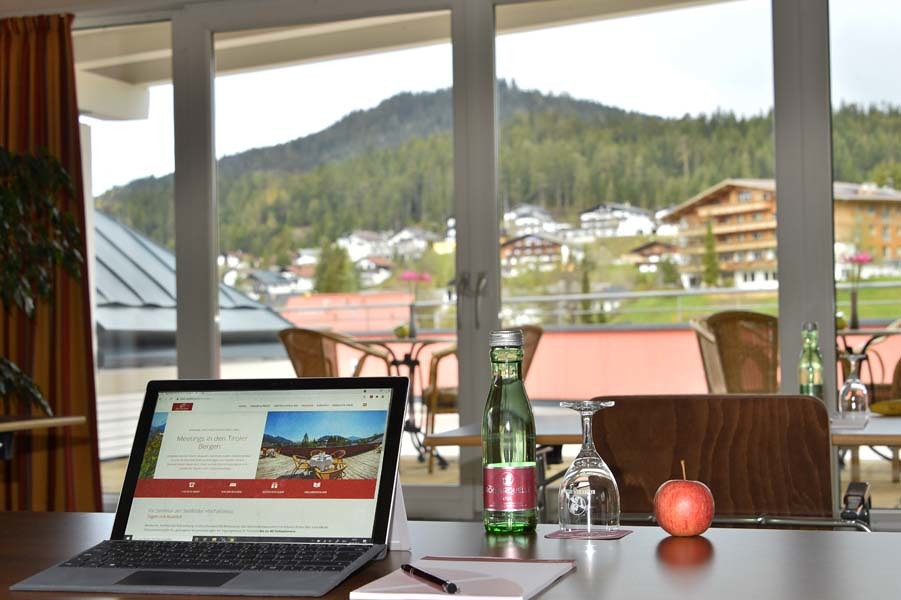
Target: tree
<point>669,273</point>
<point>335,272</point>
<point>711,263</point>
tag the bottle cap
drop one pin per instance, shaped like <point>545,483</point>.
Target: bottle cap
<point>505,337</point>
<point>809,326</point>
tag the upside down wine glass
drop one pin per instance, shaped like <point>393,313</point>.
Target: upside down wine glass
<point>589,497</point>
<point>853,402</point>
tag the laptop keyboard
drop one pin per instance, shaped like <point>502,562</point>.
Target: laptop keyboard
<point>233,556</point>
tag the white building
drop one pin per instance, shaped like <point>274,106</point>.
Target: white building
<point>528,219</point>
<point>362,243</point>
<point>412,242</point>
<point>618,220</point>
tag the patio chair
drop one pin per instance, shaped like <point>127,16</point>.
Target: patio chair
<point>300,464</point>
<point>314,353</point>
<point>443,399</point>
<point>710,357</point>
<point>747,344</point>
<point>765,458</point>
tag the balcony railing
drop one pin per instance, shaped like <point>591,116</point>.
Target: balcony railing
<point>611,309</point>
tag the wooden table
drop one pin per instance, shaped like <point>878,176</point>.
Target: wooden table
<point>737,564</point>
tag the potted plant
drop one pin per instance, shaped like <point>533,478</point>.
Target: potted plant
<point>36,238</point>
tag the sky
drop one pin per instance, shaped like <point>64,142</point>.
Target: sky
<point>353,423</point>
<point>672,63</point>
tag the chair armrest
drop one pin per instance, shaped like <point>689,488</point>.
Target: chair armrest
<point>702,330</point>
<point>856,503</point>
<point>437,357</point>
<point>367,350</point>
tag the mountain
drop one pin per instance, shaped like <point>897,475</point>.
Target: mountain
<point>276,439</point>
<point>394,121</point>
<point>392,166</point>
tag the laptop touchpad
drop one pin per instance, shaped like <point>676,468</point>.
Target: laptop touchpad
<point>177,578</point>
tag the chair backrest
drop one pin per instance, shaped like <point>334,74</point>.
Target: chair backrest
<point>896,381</point>
<point>748,345</point>
<point>710,357</point>
<point>759,454</point>
<point>312,353</point>
<point>531,335</point>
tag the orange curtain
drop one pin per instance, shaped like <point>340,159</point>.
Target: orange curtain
<point>53,469</point>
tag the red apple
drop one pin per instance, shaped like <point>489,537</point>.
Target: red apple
<point>683,507</point>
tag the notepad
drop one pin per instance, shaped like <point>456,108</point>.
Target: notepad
<point>476,576</point>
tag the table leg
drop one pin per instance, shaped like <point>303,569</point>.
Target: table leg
<point>855,463</point>
<point>896,464</point>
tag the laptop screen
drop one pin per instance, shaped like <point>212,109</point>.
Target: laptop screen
<point>261,465</point>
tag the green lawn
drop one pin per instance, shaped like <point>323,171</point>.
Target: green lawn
<point>874,303</point>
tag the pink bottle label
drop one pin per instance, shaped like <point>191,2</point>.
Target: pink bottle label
<point>509,488</point>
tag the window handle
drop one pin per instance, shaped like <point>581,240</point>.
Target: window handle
<point>479,292</point>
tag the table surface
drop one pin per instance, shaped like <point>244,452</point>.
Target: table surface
<point>553,427</point>
<point>26,423</point>
<point>725,563</point>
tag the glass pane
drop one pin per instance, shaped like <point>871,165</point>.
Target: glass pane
<point>636,187</point>
<point>866,146</point>
<point>125,99</point>
<point>335,188</point>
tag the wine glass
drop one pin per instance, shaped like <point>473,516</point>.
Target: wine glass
<point>589,497</point>
<point>852,398</point>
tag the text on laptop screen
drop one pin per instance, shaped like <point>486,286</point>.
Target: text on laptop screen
<point>262,465</point>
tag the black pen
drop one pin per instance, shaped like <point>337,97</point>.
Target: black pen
<point>448,586</point>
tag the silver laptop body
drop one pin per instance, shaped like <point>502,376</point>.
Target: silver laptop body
<point>282,487</point>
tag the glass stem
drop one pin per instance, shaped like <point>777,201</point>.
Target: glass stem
<point>852,366</point>
<point>588,448</point>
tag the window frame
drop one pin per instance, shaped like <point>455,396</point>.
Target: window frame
<point>803,138</point>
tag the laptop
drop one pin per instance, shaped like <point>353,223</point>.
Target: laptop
<point>275,487</point>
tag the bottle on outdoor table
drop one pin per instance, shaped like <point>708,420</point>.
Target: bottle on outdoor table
<point>508,442</point>
<point>810,363</point>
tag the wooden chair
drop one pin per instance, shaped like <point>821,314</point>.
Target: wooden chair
<point>896,381</point>
<point>710,357</point>
<point>315,353</point>
<point>747,344</point>
<point>761,455</point>
<point>300,464</point>
<point>443,399</point>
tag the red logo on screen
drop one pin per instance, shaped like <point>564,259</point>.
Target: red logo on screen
<point>182,405</point>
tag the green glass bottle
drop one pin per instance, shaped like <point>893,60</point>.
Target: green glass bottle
<point>810,363</point>
<point>509,487</point>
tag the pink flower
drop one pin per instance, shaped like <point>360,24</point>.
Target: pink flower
<point>859,258</point>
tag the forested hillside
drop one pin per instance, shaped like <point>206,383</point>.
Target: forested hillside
<point>392,166</point>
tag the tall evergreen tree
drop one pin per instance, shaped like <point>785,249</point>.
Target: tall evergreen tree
<point>335,272</point>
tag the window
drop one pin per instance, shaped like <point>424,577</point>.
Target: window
<point>864,35</point>
<point>744,196</point>
<point>127,144</point>
<point>561,120</point>
<point>336,186</point>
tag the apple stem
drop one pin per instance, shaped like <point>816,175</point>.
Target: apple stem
<point>683,468</point>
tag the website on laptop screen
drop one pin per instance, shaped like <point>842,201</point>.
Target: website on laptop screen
<point>262,465</point>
